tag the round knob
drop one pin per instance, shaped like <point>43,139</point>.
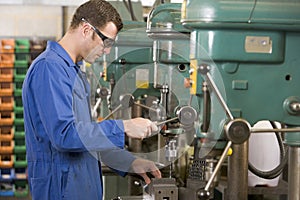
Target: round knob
<point>237,131</point>
<point>203,195</point>
<point>187,115</point>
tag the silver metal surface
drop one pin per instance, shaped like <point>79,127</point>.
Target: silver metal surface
<point>237,130</point>
<point>258,130</point>
<point>163,188</point>
<point>112,112</point>
<point>166,121</point>
<point>295,107</point>
<point>206,107</point>
<point>294,173</point>
<point>218,94</point>
<point>238,172</point>
<point>204,69</point>
<point>94,111</point>
<point>144,106</point>
<point>218,166</point>
<point>187,115</point>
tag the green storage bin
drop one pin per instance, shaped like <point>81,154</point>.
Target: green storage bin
<point>19,131</point>
<point>22,46</point>
<point>20,160</point>
<point>18,82</point>
<point>18,103</point>
<point>20,188</point>
<point>19,148</point>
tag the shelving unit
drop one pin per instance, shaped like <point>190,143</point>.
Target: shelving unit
<point>16,55</point>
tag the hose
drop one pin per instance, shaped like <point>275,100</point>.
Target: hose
<point>283,160</point>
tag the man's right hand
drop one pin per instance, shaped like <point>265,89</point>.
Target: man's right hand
<point>139,128</point>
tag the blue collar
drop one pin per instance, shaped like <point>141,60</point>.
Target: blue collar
<point>57,48</point>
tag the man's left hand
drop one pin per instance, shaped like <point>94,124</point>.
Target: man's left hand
<point>142,166</point>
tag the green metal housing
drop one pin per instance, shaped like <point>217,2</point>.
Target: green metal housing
<point>253,47</point>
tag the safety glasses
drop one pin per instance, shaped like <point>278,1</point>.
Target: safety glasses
<point>107,42</point>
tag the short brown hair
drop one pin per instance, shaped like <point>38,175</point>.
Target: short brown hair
<point>98,13</point>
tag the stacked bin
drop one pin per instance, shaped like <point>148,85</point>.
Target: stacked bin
<point>22,61</point>
<point>7,59</point>
<point>16,56</point>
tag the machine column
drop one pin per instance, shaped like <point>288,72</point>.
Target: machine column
<point>294,173</point>
<point>135,145</point>
<point>237,188</point>
<point>293,141</point>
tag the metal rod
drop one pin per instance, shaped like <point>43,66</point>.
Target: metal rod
<point>166,121</point>
<point>112,112</point>
<point>206,107</point>
<point>257,130</point>
<point>144,106</point>
<point>96,106</point>
<point>219,96</point>
<point>294,173</point>
<point>218,166</point>
<point>190,100</point>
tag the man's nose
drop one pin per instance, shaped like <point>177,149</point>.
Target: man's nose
<point>107,50</point>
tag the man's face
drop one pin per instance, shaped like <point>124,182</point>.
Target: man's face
<point>101,41</point>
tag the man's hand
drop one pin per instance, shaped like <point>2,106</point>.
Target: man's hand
<point>142,166</point>
<point>139,128</point>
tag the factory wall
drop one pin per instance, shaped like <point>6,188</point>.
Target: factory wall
<point>47,21</point>
<point>32,20</point>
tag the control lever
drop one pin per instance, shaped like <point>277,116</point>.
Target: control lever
<point>126,101</point>
<point>204,70</point>
<point>186,115</point>
<point>166,121</point>
<point>236,130</point>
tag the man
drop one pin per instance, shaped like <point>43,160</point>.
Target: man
<point>62,142</point>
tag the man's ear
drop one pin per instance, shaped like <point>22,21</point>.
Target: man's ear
<point>85,30</point>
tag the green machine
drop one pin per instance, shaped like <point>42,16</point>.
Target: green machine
<point>247,52</point>
<point>143,76</point>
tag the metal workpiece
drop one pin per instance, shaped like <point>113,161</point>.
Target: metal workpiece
<point>210,166</point>
<point>294,173</point>
<point>163,188</point>
<point>164,90</point>
<point>171,150</point>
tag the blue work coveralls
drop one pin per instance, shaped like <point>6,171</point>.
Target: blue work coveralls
<point>62,141</point>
